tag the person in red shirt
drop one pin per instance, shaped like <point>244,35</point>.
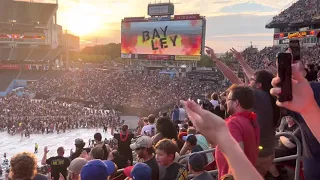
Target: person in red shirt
<point>242,125</point>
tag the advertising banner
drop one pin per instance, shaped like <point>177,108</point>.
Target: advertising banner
<point>178,37</point>
<point>187,17</point>
<point>10,66</point>
<point>187,58</point>
<point>160,57</point>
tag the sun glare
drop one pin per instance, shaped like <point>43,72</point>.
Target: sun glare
<point>82,20</point>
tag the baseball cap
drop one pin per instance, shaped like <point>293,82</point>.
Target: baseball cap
<point>186,137</point>
<point>142,142</point>
<point>77,164</point>
<point>78,141</point>
<point>111,167</point>
<point>94,169</point>
<point>140,171</point>
<point>197,162</point>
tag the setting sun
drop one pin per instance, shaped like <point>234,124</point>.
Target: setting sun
<point>81,20</point>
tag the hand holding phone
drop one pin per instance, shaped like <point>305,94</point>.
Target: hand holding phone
<point>285,74</point>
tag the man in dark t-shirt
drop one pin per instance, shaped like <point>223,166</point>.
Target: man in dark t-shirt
<point>58,164</point>
<point>311,146</point>
<point>143,147</point>
<point>124,140</point>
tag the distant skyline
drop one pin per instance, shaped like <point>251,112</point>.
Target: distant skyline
<point>230,23</point>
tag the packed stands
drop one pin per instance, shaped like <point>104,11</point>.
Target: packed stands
<point>301,11</point>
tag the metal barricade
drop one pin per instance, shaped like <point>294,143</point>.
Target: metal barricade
<point>297,156</point>
<point>201,152</point>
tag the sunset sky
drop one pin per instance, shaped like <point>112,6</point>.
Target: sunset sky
<point>230,23</point>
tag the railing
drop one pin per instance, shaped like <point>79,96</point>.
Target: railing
<point>297,156</point>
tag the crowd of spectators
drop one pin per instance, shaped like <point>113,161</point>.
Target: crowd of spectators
<point>26,115</point>
<point>133,89</point>
<point>302,10</point>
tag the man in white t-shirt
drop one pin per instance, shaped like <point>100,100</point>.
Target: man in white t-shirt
<point>215,100</point>
<point>150,129</point>
<point>182,114</point>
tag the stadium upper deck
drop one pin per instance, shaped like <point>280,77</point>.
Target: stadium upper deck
<point>28,30</point>
<point>299,21</point>
<point>25,13</point>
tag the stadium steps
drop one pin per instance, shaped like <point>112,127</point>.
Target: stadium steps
<point>12,55</point>
<point>55,53</point>
<point>31,75</point>
<point>7,76</point>
<point>23,53</point>
<point>5,53</point>
<point>38,54</point>
<point>31,51</point>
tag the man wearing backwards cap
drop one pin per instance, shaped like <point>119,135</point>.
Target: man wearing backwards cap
<point>144,150</point>
<point>140,171</point>
<point>94,170</point>
<point>197,164</point>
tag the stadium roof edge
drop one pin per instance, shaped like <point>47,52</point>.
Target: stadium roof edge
<point>293,24</point>
<point>38,1</point>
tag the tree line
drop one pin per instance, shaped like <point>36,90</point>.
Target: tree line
<point>112,52</point>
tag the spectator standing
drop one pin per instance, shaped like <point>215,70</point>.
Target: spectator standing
<point>144,149</point>
<point>79,144</point>
<point>58,164</point>
<point>118,159</point>
<point>165,129</point>
<point>197,166</point>
<point>150,128</point>
<point>165,155</point>
<point>215,100</point>
<point>242,125</point>
<point>124,140</point>
<point>99,143</point>
<point>182,114</point>
<point>175,114</point>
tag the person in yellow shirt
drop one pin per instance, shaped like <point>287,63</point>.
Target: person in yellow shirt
<point>36,148</point>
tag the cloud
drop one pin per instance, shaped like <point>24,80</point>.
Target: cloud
<point>244,35</point>
<point>228,21</point>
<point>244,7</point>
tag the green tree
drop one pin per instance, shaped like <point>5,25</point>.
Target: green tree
<point>205,61</point>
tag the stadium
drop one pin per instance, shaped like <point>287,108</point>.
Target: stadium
<point>48,100</point>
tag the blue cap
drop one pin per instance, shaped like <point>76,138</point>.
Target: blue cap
<point>94,169</point>
<point>111,167</point>
<point>186,137</point>
<point>139,171</point>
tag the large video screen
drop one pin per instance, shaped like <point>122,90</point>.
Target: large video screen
<point>162,40</point>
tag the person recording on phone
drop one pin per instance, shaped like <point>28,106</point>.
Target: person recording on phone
<point>305,110</point>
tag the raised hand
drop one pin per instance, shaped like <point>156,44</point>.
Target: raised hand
<point>211,53</point>
<point>236,54</point>
<point>46,150</point>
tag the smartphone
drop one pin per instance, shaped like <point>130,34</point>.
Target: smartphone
<point>284,73</point>
<point>295,48</point>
